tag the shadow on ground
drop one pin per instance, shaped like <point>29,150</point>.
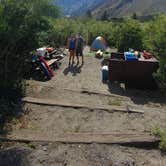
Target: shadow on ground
<point>138,94</point>
<point>14,157</point>
<point>74,69</point>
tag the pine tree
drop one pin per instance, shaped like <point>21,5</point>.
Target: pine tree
<point>104,17</point>
<point>89,13</point>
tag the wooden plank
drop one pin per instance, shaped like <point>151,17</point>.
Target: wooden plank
<point>84,138</point>
<point>50,102</point>
<point>52,61</point>
<point>87,91</point>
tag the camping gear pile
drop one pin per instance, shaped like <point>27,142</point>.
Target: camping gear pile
<point>99,54</point>
<point>133,66</point>
<point>44,61</point>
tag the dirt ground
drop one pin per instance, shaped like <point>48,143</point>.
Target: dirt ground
<point>69,85</point>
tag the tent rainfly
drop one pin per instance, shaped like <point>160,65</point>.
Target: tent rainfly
<point>99,44</point>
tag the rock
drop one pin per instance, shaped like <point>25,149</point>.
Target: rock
<point>44,149</point>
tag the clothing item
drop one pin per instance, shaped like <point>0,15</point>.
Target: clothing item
<point>72,43</point>
<point>79,52</point>
<point>79,43</point>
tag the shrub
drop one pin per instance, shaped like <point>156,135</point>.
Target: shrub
<point>20,24</point>
<point>129,35</point>
<point>155,41</point>
<point>162,134</point>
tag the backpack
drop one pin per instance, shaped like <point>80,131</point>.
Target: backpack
<point>72,44</point>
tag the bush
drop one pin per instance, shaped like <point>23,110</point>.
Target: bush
<point>129,35</point>
<point>21,22</point>
<point>157,131</point>
<point>89,28</point>
<point>155,41</point>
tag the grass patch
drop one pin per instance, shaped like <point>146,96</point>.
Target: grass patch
<point>31,145</point>
<point>77,128</point>
<point>157,131</point>
<point>115,102</point>
<point>91,53</point>
<point>106,54</point>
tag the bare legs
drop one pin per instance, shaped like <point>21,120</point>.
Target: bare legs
<point>71,56</point>
<point>79,53</point>
<point>82,59</point>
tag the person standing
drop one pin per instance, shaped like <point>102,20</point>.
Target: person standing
<point>71,46</point>
<point>79,48</point>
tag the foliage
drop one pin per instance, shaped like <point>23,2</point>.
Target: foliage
<point>89,13</point>
<point>21,22</point>
<point>157,131</point>
<point>129,35</point>
<point>8,109</point>
<point>89,28</point>
<point>104,16</point>
<point>155,41</point>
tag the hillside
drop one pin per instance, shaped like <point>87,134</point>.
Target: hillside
<point>77,8</point>
<point>114,8</point>
<point>120,8</point>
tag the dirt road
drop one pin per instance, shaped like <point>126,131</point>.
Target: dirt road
<point>82,86</point>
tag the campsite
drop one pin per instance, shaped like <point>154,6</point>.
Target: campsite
<point>105,109</point>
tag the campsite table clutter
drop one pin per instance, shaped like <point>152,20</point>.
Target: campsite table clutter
<point>45,60</point>
<point>132,66</point>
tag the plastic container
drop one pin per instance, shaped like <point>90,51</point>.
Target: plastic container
<point>129,56</point>
<point>104,73</point>
<point>41,51</point>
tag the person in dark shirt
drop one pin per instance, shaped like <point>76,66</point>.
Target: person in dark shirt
<point>79,48</point>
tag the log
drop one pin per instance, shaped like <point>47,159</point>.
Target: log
<point>49,102</point>
<point>86,138</point>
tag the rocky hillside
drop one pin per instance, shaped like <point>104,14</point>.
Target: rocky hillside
<point>114,8</point>
<point>80,7</point>
<point>120,8</point>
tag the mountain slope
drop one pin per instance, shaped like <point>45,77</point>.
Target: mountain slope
<point>120,8</point>
<point>78,7</point>
<point>114,8</point>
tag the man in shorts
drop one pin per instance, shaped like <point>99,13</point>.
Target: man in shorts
<point>79,48</point>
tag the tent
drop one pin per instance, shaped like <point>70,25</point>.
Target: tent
<point>99,44</point>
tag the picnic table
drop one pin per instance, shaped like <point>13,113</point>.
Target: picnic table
<point>122,70</point>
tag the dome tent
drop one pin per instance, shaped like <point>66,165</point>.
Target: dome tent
<point>99,44</point>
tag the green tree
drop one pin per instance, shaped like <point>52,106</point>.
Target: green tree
<point>89,13</point>
<point>155,41</point>
<point>20,25</point>
<point>104,16</point>
<point>134,16</point>
<point>129,35</point>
